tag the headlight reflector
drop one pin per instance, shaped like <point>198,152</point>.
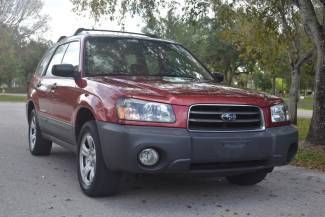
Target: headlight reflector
<point>140,110</point>
<point>279,113</point>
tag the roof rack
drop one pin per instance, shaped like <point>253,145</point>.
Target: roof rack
<point>61,38</point>
<point>80,30</point>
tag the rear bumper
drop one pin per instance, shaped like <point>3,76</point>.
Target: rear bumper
<point>182,151</point>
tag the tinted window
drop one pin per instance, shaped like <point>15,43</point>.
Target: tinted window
<point>111,56</point>
<point>56,59</point>
<point>72,54</point>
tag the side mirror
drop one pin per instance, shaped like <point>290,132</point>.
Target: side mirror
<point>218,77</point>
<point>65,70</point>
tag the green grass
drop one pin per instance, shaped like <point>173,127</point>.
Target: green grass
<point>306,103</point>
<point>303,127</point>
<point>312,157</point>
<point>12,98</point>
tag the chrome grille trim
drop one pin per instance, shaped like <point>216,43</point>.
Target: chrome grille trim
<point>261,120</point>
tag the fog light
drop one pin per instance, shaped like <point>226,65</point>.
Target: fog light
<point>148,157</point>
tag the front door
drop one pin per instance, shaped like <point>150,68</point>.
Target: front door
<point>65,95</point>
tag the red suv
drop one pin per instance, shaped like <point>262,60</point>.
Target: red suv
<point>128,102</point>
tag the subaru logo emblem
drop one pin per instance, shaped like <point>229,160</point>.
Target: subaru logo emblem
<point>228,116</point>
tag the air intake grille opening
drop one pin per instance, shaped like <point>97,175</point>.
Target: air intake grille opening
<point>225,118</point>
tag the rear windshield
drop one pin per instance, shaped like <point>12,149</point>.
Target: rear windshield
<point>139,57</point>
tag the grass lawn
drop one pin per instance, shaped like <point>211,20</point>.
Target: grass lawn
<point>303,126</point>
<point>312,157</point>
<point>306,103</point>
<point>12,98</point>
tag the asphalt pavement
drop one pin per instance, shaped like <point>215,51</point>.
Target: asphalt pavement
<point>47,186</point>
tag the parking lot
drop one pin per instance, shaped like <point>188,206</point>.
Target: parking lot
<point>48,186</point>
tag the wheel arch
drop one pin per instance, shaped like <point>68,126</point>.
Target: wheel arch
<point>83,115</point>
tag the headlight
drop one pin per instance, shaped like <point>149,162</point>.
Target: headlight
<point>279,113</point>
<point>140,110</point>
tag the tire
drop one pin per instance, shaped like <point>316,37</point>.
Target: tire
<point>248,178</point>
<point>94,177</point>
<point>37,144</point>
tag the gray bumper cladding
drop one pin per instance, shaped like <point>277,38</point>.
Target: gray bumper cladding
<point>182,151</point>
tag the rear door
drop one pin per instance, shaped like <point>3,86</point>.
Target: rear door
<point>41,99</point>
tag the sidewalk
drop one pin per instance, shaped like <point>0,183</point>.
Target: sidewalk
<point>303,113</point>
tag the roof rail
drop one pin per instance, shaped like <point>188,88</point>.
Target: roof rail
<point>61,38</point>
<point>80,30</point>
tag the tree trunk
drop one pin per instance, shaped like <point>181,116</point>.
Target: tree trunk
<point>274,85</point>
<point>229,78</point>
<point>294,93</point>
<point>316,32</point>
<point>316,135</point>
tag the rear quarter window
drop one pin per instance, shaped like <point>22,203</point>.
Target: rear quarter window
<point>44,61</point>
<point>56,58</point>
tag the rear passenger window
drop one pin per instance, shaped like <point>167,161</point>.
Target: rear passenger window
<point>72,54</point>
<point>56,59</point>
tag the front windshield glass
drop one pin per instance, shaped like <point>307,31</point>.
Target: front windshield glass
<point>139,57</point>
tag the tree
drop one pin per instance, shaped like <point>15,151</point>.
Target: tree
<point>23,16</point>
<point>8,65</point>
<point>30,55</point>
<point>271,33</point>
<point>19,53</point>
<point>315,28</point>
<point>299,50</point>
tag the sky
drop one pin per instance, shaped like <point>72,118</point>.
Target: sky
<point>63,21</point>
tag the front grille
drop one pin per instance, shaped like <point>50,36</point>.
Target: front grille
<point>214,118</point>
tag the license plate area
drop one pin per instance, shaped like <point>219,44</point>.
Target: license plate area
<point>230,150</point>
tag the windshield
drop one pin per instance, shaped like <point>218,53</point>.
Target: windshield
<point>139,57</point>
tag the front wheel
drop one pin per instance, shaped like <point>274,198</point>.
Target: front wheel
<point>95,178</point>
<point>248,178</point>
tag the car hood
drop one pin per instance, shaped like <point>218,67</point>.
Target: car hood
<point>182,91</point>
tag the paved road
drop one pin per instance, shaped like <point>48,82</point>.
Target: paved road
<point>47,186</point>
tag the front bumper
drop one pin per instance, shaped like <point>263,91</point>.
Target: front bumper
<point>182,151</point>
